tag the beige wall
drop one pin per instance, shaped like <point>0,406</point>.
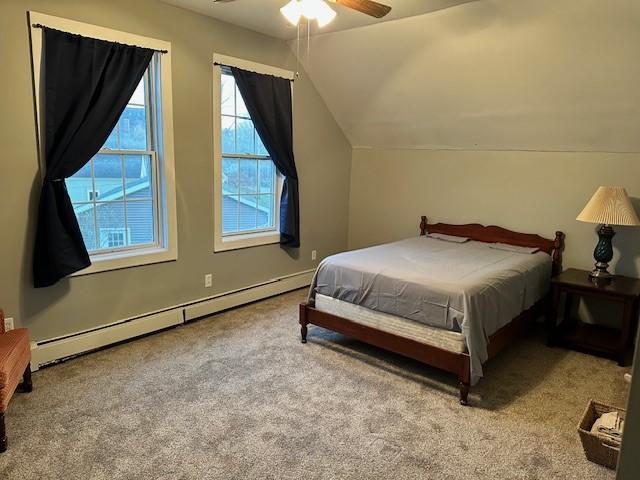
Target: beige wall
<point>323,158</point>
<point>536,192</point>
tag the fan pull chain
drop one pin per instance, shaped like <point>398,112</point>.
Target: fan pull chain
<point>308,44</point>
<point>298,52</point>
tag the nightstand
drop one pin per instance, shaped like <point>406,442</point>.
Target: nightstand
<point>572,333</point>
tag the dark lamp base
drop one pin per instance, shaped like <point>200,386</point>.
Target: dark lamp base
<point>600,274</point>
<point>603,254</point>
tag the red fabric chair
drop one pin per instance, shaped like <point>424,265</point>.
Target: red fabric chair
<point>15,358</point>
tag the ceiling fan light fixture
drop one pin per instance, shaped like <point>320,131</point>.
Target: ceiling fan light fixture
<point>310,8</point>
<point>324,14</point>
<point>292,11</point>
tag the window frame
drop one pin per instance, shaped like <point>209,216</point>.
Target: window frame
<point>161,108</point>
<point>232,241</point>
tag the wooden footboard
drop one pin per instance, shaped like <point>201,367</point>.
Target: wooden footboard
<point>458,363</point>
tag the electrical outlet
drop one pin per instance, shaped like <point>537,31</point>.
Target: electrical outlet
<point>314,254</point>
<point>8,324</point>
<point>208,280</point>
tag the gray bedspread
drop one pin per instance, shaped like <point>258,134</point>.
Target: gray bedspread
<point>465,287</point>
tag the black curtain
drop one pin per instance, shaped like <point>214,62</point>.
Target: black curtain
<point>268,101</point>
<point>86,86</point>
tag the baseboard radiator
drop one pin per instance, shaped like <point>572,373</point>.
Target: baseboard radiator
<point>51,351</point>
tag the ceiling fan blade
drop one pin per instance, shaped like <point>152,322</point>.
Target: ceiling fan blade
<point>369,7</point>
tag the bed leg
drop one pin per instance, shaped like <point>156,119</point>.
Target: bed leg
<point>303,323</point>
<point>464,379</point>
<point>464,393</point>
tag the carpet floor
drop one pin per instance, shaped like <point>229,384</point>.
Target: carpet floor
<point>237,396</point>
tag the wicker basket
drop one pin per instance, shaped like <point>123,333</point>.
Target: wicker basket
<point>595,448</point>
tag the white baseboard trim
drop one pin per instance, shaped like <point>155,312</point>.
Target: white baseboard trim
<point>248,295</point>
<point>49,351</point>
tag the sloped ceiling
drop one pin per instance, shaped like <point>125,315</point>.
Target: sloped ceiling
<point>264,15</point>
<point>490,74</point>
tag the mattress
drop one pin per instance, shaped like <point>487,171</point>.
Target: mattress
<point>436,337</point>
<point>468,288</point>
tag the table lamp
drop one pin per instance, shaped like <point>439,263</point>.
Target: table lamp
<point>608,206</point>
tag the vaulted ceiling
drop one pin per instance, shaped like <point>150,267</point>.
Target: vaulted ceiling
<point>484,74</point>
<point>264,15</point>
<point>491,74</point>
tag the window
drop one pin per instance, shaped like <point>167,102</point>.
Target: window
<point>248,174</point>
<point>248,186</point>
<point>124,197</point>
<point>120,181</point>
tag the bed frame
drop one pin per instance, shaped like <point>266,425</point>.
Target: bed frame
<point>458,363</point>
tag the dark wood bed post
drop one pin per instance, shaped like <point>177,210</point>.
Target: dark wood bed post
<point>303,322</point>
<point>464,379</point>
<point>423,226</point>
<point>558,247</point>
<point>3,434</point>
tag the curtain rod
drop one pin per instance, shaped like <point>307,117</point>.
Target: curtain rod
<point>39,25</point>
<point>218,64</point>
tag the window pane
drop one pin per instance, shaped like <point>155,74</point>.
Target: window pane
<point>229,213</point>
<point>133,128</point>
<point>260,148</point>
<point>107,170</point>
<point>133,121</point>
<point>84,214</point>
<point>80,185</point>
<point>228,135</point>
<point>265,211</point>
<point>130,133</point>
<point>140,222</point>
<point>112,141</point>
<point>112,238</point>
<point>248,176</point>
<point>230,175</point>
<point>138,97</point>
<point>247,212</point>
<point>244,136</point>
<point>267,173</point>
<point>137,169</point>
<point>110,218</point>
<point>228,95</point>
<point>241,108</point>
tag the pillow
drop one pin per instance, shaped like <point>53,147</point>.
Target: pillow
<point>513,248</point>
<point>448,238</point>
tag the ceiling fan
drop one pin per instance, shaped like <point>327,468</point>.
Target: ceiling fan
<point>319,10</point>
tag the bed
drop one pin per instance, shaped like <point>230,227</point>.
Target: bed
<point>449,303</point>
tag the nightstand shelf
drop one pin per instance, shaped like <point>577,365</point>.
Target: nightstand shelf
<point>592,338</point>
<point>611,342</point>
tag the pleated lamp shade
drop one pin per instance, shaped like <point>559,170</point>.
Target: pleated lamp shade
<point>610,206</point>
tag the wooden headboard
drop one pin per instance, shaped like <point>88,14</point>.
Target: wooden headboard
<point>494,234</point>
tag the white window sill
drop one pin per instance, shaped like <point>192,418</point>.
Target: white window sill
<point>235,242</point>
<point>128,259</point>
